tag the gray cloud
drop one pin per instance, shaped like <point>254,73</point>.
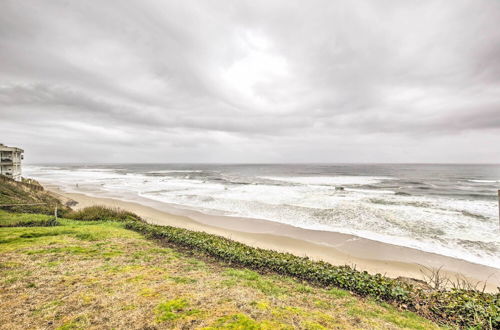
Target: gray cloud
<point>251,81</point>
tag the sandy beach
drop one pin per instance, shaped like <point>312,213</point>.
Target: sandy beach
<point>339,249</point>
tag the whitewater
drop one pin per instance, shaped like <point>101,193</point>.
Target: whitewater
<point>445,209</point>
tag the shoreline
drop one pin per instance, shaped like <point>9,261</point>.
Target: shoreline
<point>336,248</point>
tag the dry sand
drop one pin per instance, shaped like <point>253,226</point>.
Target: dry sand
<point>338,249</point>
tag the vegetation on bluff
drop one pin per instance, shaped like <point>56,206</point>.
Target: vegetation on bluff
<point>176,289</point>
<point>470,308</point>
<point>97,274</point>
<point>101,213</point>
<point>9,219</point>
<point>20,198</point>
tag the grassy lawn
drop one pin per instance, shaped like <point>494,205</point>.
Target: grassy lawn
<point>8,219</point>
<point>100,275</point>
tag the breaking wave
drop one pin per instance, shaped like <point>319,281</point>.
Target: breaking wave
<point>440,216</point>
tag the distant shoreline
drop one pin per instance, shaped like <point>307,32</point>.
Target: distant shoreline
<point>336,248</point>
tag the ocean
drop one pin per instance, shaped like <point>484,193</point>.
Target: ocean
<point>446,209</point>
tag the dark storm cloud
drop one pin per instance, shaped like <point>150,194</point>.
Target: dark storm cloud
<point>250,80</point>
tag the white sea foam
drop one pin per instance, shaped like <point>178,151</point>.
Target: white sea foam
<point>371,191</point>
<point>329,180</point>
<point>485,181</point>
<point>465,229</point>
<point>174,171</point>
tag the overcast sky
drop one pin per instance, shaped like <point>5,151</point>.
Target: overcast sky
<point>251,81</point>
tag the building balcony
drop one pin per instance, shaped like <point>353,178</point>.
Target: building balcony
<point>6,161</point>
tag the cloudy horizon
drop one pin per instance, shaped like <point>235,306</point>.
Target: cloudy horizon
<point>251,81</point>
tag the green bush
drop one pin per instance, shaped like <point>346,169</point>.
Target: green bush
<point>317,272</point>
<point>458,307</point>
<point>101,213</point>
<point>468,308</point>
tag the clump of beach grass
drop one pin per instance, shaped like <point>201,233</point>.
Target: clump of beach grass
<point>101,213</point>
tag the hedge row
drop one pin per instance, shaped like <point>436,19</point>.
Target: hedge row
<point>458,307</point>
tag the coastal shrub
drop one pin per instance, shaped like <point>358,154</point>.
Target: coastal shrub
<point>460,307</point>
<point>101,213</point>
<point>466,308</point>
<point>317,272</point>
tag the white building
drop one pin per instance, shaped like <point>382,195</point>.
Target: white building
<point>10,162</point>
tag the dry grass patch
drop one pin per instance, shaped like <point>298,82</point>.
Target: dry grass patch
<point>99,275</point>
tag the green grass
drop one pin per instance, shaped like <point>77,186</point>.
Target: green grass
<point>241,321</point>
<point>181,280</point>
<point>90,240</point>
<point>457,306</point>
<point>174,309</point>
<point>249,278</point>
<point>9,219</point>
<point>338,293</point>
<point>94,274</point>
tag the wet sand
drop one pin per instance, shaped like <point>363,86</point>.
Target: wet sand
<point>336,248</point>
